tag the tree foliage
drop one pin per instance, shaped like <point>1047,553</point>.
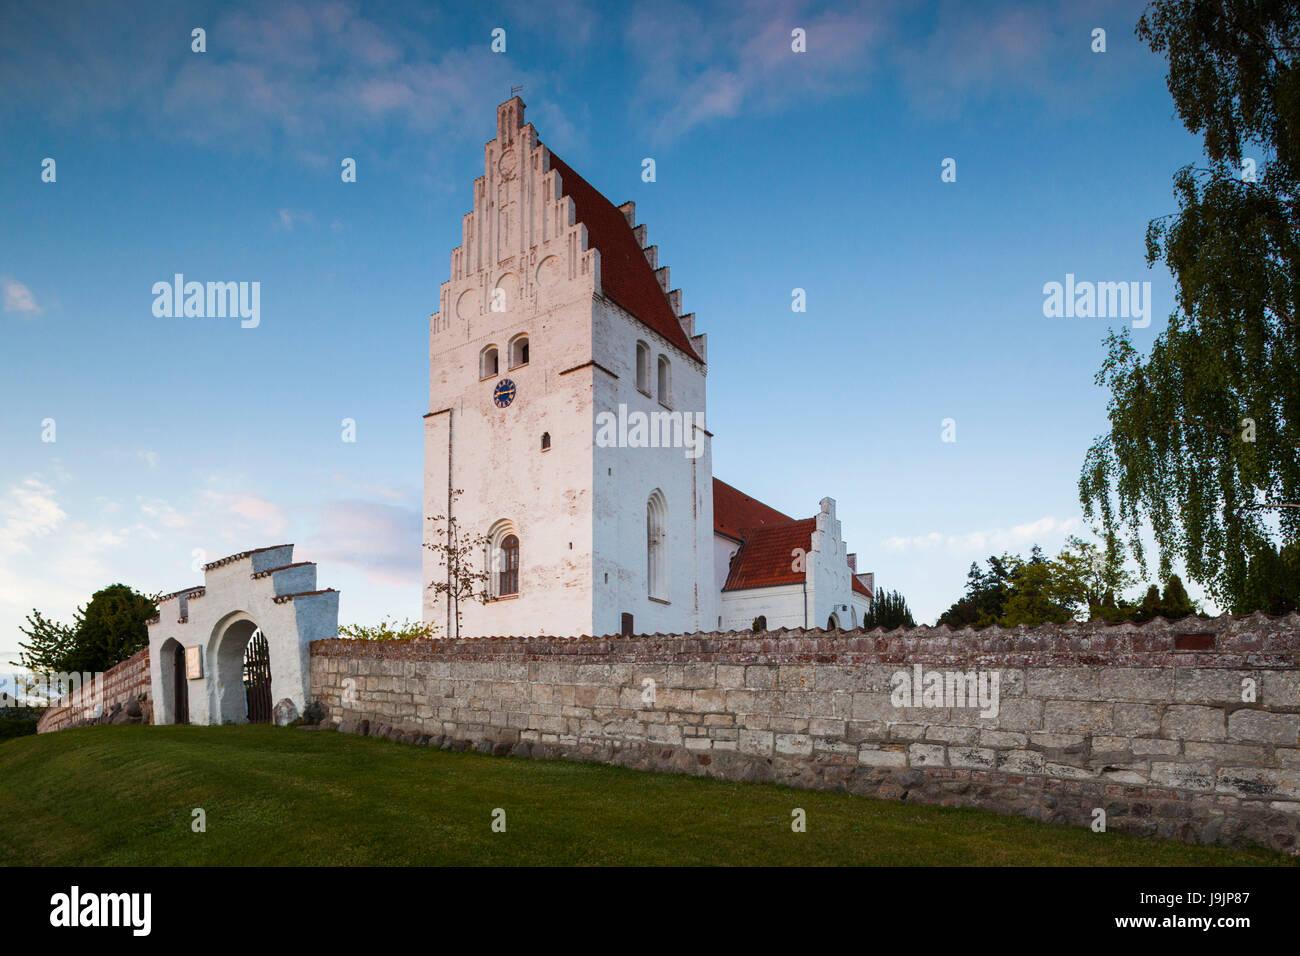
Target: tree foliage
<point>389,630</point>
<point>1079,584</point>
<point>888,610</point>
<point>105,632</point>
<point>1204,440</point>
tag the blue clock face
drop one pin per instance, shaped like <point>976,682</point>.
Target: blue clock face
<point>504,393</point>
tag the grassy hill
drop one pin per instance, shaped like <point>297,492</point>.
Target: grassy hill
<point>273,796</point>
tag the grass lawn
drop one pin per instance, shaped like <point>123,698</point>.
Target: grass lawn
<point>279,796</point>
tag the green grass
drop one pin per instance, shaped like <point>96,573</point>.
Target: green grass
<point>279,796</point>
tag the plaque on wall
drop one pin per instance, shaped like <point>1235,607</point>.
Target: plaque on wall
<point>193,663</point>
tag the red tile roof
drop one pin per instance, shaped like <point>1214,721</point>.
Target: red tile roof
<point>625,274</point>
<point>733,511</point>
<point>767,558</point>
<point>767,539</point>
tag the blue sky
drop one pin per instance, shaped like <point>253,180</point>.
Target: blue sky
<point>181,439</point>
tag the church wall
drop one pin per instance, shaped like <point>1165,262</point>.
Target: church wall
<point>723,551</point>
<point>1149,723</point>
<point>624,478</point>
<point>782,605</point>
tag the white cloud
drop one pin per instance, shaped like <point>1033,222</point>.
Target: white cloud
<point>1018,537</point>
<point>30,511</point>
<point>19,298</point>
<point>260,516</point>
<point>691,77</point>
<point>381,540</point>
<point>288,218</point>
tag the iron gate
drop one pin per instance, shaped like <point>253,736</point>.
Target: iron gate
<point>181,687</point>
<point>257,679</point>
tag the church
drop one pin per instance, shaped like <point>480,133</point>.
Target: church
<point>566,446</point>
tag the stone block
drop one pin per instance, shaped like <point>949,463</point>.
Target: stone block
<point>1078,716</point>
<point>1258,725</point>
<point>1190,722</point>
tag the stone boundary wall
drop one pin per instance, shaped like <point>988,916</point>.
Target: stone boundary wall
<point>1150,723</point>
<point>123,692</point>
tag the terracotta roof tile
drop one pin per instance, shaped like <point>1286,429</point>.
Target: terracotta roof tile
<point>733,511</point>
<point>766,558</point>
<point>625,275</point>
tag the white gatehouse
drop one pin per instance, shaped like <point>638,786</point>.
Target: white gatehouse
<point>226,650</point>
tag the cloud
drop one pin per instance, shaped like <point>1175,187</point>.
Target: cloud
<point>381,540</point>
<point>260,516</point>
<point>19,298</point>
<point>288,218</point>
<point>696,69</point>
<point>999,539</point>
<point>30,510</point>
<point>307,76</point>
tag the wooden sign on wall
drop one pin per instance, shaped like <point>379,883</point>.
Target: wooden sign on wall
<point>193,663</point>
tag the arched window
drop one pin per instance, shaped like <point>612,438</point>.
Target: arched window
<point>832,624</point>
<point>665,382</point>
<point>503,559</point>
<point>487,362</point>
<point>546,441</point>
<point>643,367</point>
<point>518,351</point>
<point>656,529</point>
<point>508,576</point>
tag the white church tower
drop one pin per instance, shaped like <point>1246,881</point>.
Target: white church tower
<point>556,335</point>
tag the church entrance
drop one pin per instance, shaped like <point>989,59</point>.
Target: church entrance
<point>244,692</point>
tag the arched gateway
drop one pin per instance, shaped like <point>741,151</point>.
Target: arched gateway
<point>226,651</point>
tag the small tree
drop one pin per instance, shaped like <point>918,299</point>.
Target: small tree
<point>888,610</point>
<point>460,554</point>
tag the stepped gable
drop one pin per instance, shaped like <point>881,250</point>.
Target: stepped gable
<point>625,274</point>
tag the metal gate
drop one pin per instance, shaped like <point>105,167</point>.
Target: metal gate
<point>181,687</point>
<point>257,679</point>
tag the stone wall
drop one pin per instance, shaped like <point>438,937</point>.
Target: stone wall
<point>121,695</point>
<point>1153,724</point>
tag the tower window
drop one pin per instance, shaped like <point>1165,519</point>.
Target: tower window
<point>657,546</point>
<point>643,367</point>
<point>546,441</point>
<point>518,351</point>
<point>487,362</point>
<point>665,382</point>
<point>503,559</point>
<point>508,582</point>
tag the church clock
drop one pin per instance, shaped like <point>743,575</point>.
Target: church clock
<point>504,393</point>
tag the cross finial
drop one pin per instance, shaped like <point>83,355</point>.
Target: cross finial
<point>516,89</point>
